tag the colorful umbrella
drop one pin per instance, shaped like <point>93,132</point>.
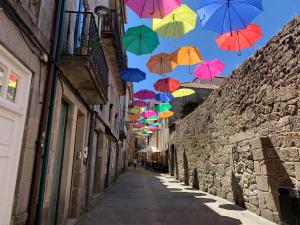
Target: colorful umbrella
<point>166,114</point>
<point>187,55</point>
<point>151,8</point>
<point>176,24</point>
<point>228,15</point>
<point>137,110</point>
<point>144,94</point>
<point>142,120</point>
<point>133,117</point>
<point>161,64</point>
<point>133,75</point>
<point>140,40</point>
<point>164,97</point>
<point>156,125</point>
<point>163,107</point>
<point>183,92</point>
<point>240,39</point>
<point>139,103</point>
<point>209,69</point>
<point>153,118</point>
<point>148,113</point>
<point>167,85</point>
<point>150,132</point>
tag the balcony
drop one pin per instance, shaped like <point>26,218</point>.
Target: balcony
<point>122,129</point>
<point>83,60</point>
<point>112,30</point>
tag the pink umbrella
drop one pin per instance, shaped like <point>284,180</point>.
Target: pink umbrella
<point>209,69</point>
<point>139,103</point>
<point>139,124</point>
<point>153,8</point>
<point>148,113</point>
<point>144,94</point>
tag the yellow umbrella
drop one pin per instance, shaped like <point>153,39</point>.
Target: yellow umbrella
<point>183,92</point>
<point>134,117</point>
<point>136,110</point>
<point>166,114</point>
<point>177,23</point>
<point>150,132</point>
<point>161,64</point>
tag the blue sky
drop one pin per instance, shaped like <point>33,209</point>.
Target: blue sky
<point>276,13</point>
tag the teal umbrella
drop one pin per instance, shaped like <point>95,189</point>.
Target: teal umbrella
<point>163,107</point>
<point>140,40</point>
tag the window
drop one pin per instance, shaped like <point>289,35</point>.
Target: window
<point>8,84</point>
<point>2,77</point>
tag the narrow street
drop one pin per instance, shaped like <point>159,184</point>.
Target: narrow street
<point>143,198</point>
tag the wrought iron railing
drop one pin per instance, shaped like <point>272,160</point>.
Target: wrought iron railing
<point>82,39</point>
<point>112,25</point>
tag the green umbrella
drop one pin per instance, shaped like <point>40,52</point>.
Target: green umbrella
<point>140,40</point>
<point>152,118</point>
<point>163,107</point>
<point>156,125</point>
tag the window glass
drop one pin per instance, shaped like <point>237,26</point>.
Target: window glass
<point>2,77</point>
<point>12,88</point>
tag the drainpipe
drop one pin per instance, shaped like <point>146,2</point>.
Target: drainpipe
<point>89,191</point>
<point>36,201</point>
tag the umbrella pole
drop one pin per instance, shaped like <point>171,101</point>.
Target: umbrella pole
<point>238,37</point>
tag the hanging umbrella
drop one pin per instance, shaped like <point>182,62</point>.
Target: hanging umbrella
<point>148,113</point>
<point>153,8</point>
<point>133,75</point>
<point>187,55</point>
<point>137,110</point>
<point>176,24</point>
<point>240,39</point>
<point>183,92</point>
<point>161,64</point>
<point>164,97</point>
<point>133,117</point>
<point>140,40</point>
<point>209,69</point>
<point>163,107</point>
<point>144,94</point>
<point>228,15</point>
<point>152,118</point>
<point>167,85</point>
<point>166,114</point>
<point>153,128</point>
<point>150,132</point>
<point>156,125</point>
<point>139,103</point>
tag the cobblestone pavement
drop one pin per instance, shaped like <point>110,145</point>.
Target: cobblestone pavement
<point>143,198</point>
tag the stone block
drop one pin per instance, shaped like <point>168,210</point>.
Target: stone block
<point>297,170</point>
<point>262,183</point>
<point>241,137</point>
<point>252,208</point>
<point>257,154</point>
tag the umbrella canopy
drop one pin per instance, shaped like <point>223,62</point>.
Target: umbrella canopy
<point>139,103</point>
<point>163,107</point>
<point>164,97</point>
<point>151,8</point>
<point>166,114</point>
<point>144,94</point>
<point>176,24</point>
<point>209,69</point>
<point>133,117</point>
<point>148,113</point>
<point>183,92</point>
<point>156,125</point>
<point>161,64</point>
<point>228,15</point>
<point>240,39</point>
<point>136,110</point>
<point>133,75</point>
<point>140,40</point>
<point>167,85</point>
<point>187,55</point>
<point>152,118</point>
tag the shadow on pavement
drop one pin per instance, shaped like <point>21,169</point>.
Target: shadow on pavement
<point>231,207</point>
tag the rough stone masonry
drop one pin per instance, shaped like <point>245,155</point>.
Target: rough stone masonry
<point>243,142</point>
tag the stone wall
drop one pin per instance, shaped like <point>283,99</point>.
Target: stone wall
<point>243,142</point>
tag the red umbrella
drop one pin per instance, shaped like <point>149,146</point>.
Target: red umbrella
<point>139,103</point>
<point>167,85</point>
<point>240,39</point>
<point>144,94</point>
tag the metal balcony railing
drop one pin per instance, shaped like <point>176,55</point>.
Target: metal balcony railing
<point>112,25</point>
<point>82,39</point>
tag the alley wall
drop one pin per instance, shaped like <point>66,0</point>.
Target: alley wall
<point>243,142</point>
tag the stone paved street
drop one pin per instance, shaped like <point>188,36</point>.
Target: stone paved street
<point>143,198</point>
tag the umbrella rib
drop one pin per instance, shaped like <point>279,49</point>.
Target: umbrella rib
<point>246,4</point>
<point>239,16</point>
<point>141,13</point>
<point>223,18</point>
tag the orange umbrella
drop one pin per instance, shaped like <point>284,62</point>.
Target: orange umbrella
<point>166,114</point>
<point>133,117</point>
<point>187,55</point>
<point>161,64</point>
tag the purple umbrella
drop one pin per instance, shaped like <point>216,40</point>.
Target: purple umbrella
<point>144,94</point>
<point>209,69</point>
<point>153,8</point>
<point>148,113</point>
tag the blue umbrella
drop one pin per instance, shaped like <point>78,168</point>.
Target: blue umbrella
<point>224,16</point>
<point>164,97</point>
<point>133,75</point>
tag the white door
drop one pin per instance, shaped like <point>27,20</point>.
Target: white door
<point>14,91</point>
